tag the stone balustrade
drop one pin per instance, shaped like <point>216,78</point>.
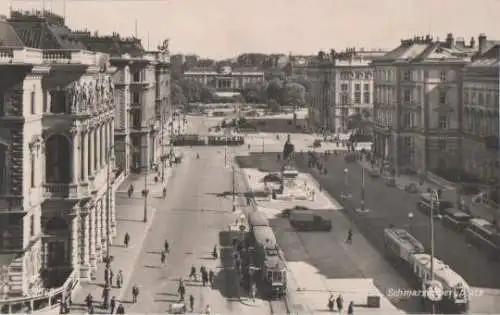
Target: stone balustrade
<point>68,56</point>
<point>10,55</point>
<point>41,303</point>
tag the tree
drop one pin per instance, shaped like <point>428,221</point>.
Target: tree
<point>177,95</point>
<point>273,89</point>
<point>254,93</point>
<point>273,105</point>
<point>293,94</point>
<point>206,94</point>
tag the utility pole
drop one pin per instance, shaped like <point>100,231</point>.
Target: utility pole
<point>146,193</point>
<point>362,189</point>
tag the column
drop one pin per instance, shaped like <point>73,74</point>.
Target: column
<point>103,144</point>
<point>84,244</point>
<point>76,155</point>
<point>91,152</point>
<point>84,156</point>
<point>92,236</point>
<point>112,207</point>
<point>104,223</point>
<point>98,148</point>
<point>98,247</point>
<point>75,250</point>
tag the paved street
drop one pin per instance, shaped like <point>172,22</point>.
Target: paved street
<point>194,212</point>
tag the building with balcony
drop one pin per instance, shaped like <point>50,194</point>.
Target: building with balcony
<point>341,88</point>
<point>140,99</point>
<point>417,111</point>
<point>225,79</point>
<point>56,127</point>
<point>480,114</point>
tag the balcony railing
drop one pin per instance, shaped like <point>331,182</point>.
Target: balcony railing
<point>20,56</point>
<point>43,302</point>
<point>69,56</point>
<point>11,203</point>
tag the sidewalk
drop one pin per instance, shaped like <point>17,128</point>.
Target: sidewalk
<point>129,212</point>
<point>449,193</point>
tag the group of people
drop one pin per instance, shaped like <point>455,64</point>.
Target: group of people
<point>339,301</point>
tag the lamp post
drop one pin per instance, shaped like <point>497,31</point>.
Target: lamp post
<point>346,193</point>
<point>362,189</point>
<point>146,193</point>
<point>410,218</point>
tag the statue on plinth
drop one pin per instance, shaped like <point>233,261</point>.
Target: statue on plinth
<point>288,169</point>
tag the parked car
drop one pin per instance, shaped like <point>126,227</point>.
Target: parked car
<point>456,219</point>
<point>412,188</point>
<point>317,143</point>
<point>286,213</point>
<point>390,181</point>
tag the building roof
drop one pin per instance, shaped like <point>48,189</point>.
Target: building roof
<point>114,44</point>
<point>43,31</point>
<point>8,36</point>
<point>427,50</point>
<point>490,59</point>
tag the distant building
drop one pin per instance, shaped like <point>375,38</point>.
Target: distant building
<point>480,117</point>
<point>190,61</point>
<point>225,79</point>
<point>341,87</point>
<point>57,213</point>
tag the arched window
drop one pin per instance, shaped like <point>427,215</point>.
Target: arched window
<point>58,101</point>
<point>58,157</point>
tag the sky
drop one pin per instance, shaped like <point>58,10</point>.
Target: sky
<point>225,28</point>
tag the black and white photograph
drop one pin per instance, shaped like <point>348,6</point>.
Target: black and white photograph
<point>249,157</point>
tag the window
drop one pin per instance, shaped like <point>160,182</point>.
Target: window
<point>473,98</point>
<point>368,75</point>
<point>2,104</point>
<point>357,97</point>
<point>32,170</point>
<point>136,98</point>
<point>366,87</point>
<point>497,101</point>
<point>32,225</point>
<point>58,102</point>
<point>344,99</point>
<point>408,120</point>
<point>443,76</point>
<point>136,77</point>
<point>406,75</point>
<point>357,87</point>
<point>487,101</point>
<point>343,87</point>
<point>32,103</point>
<point>344,75</point>
<point>466,98</point>
<point>366,97</point>
<point>407,95</point>
<point>359,75</point>
<point>442,97</point>
<point>480,99</point>
<point>442,144</point>
<point>443,121</point>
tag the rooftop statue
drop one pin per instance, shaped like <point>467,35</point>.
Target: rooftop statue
<point>288,150</point>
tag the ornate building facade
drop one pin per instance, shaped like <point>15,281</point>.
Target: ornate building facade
<point>57,206</point>
<point>142,97</point>
<point>225,78</point>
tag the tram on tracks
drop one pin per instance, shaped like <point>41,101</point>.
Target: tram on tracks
<point>449,293</point>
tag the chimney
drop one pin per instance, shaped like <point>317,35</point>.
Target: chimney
<point>482,43</point>
<point>472,42</point>
<point>450,41</point>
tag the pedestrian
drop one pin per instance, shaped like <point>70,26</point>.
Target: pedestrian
<point>350,309</point>
<point>119,278</point>
<point>192,274</point>
<point>135,293</point>
<point>126,239</point>
<point>208,309</point>
<point>89,300</point>
<point>211,276</point>
<point>253,291</point>
<point>106,275</point>
<point>112,304</point>
<point>191,302</point>
<point>167,246</point>
<point>331,303</point>
<point>349,236</point>
<point>164,191</point>
<point>120,309</point>
<point>105,297</point>
<point>340,303</point>
<point>181,291</point>
<point>111,277</point>
<point>204,277</point>
<point>163,256</point>
<point>130,190</point>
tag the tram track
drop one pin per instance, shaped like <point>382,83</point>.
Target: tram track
<point>279,306</point>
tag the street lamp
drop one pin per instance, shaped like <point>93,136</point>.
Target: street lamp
<point>346,193</point>
<point>410,218</point>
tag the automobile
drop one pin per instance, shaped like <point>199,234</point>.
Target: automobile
<point>350,157</point>
<point>390,181</point>
<point>426,204</point>
<point>411,188</point>
<point>456,219</point>
<point>317,143</point>
<point>286,213</point>
<point>307,220</point>
<point>374,174</point>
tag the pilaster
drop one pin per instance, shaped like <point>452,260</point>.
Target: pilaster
<point>112,207</point>
<point>85,244</point>
<point>98,132</point>
<point>85,156</point>
<point>104,214</point>
<point>75,138</point>
<point>97,240</point>
<point>75,249</point>
<point>92,236</point>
